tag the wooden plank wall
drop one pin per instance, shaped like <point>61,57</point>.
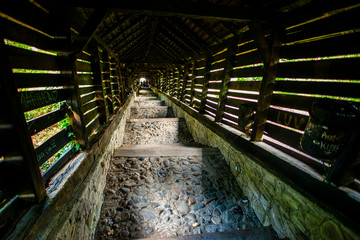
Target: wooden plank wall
<point>312,58</point>
<point>40,70</point>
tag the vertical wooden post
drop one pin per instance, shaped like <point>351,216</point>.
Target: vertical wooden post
<point>185,82</point>
<point>205,83</point>
<point>179,86</point>
<point>75,113</point>
<point>271,59</point>
<point>193,78</point>
<point>225,83</point>
<point>103,86</point>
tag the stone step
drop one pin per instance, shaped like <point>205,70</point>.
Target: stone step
<point>264,233</point>
<point>157,130</point>
<point>158,150</point>
<point>146,98</point>
<point>148,103</point>
<point>151,112</point>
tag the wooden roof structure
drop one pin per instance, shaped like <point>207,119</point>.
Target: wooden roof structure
<point>155,35</point>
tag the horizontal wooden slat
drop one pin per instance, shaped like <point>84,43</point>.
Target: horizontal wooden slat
<point>40,123</point>
<point>85,90</point>
<point>337,23</point>
<point>247,59</point>
<point>232,111</point>
<point>92,127</point>
<point>341,45</point>
<point>15,32</point>
<point>237,102</point>
<point>318,166</point>
<point>245,85</point>
<point>219,56</point>
<point>289,137</point>
<point>86,79</point>
<point>55,167</point>
<point>212,99</point>
<point>32,60</point>
<point>322,88</point>
<point>83,67</point>
<point>41,80</point>
<point>87,106</point>
<point>292,101</point>
<point>210,110</point>
<point>218,75</point>
<point>346,69</point>
<point>234,119</point>
<point>51,146</point>
<point>31,15</point>
<point>198,95</point>
<point>36,99</point>
<point>214,105</point>
<point>290,119</point>
<point>91,115</point>
<point>200,72</point>
<point>88,98</point>
<point>216,85</point>
<point>218,65</point>
<point>243,95</point>
<point>247,72</point>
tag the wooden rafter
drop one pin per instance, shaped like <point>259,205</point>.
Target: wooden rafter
<point>113,27</point>
<point>188,32</point>
<point>132,23</point>
<point>180,8</point>
<point>152,34</point>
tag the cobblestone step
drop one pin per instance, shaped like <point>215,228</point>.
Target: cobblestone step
<point>151,112</point>
<point>157,130</point>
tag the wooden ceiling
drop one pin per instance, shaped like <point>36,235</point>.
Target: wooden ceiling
<point>158,34</point>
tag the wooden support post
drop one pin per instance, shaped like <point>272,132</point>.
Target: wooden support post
<point>193,78</point>
<point>179,87</point>
<point>205,83</point>
<point>225,84</point>
<point>185,82</point>
<point>103,86</point>
<point>75,113</point>
<point>270,58</point>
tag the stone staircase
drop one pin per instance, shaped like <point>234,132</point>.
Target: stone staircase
<point>161,184</point>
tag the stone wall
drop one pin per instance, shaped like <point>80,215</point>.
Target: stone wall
<point>274,200</point>
<point>73,207</point>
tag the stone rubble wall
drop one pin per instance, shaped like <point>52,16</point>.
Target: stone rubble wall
<point>77,192</point>
<point>275,202</point>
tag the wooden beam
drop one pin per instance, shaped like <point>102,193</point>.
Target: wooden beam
<point>271,59</point>
<point>178,8</point>
<point>205,83</point>
<point>88,30</point>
